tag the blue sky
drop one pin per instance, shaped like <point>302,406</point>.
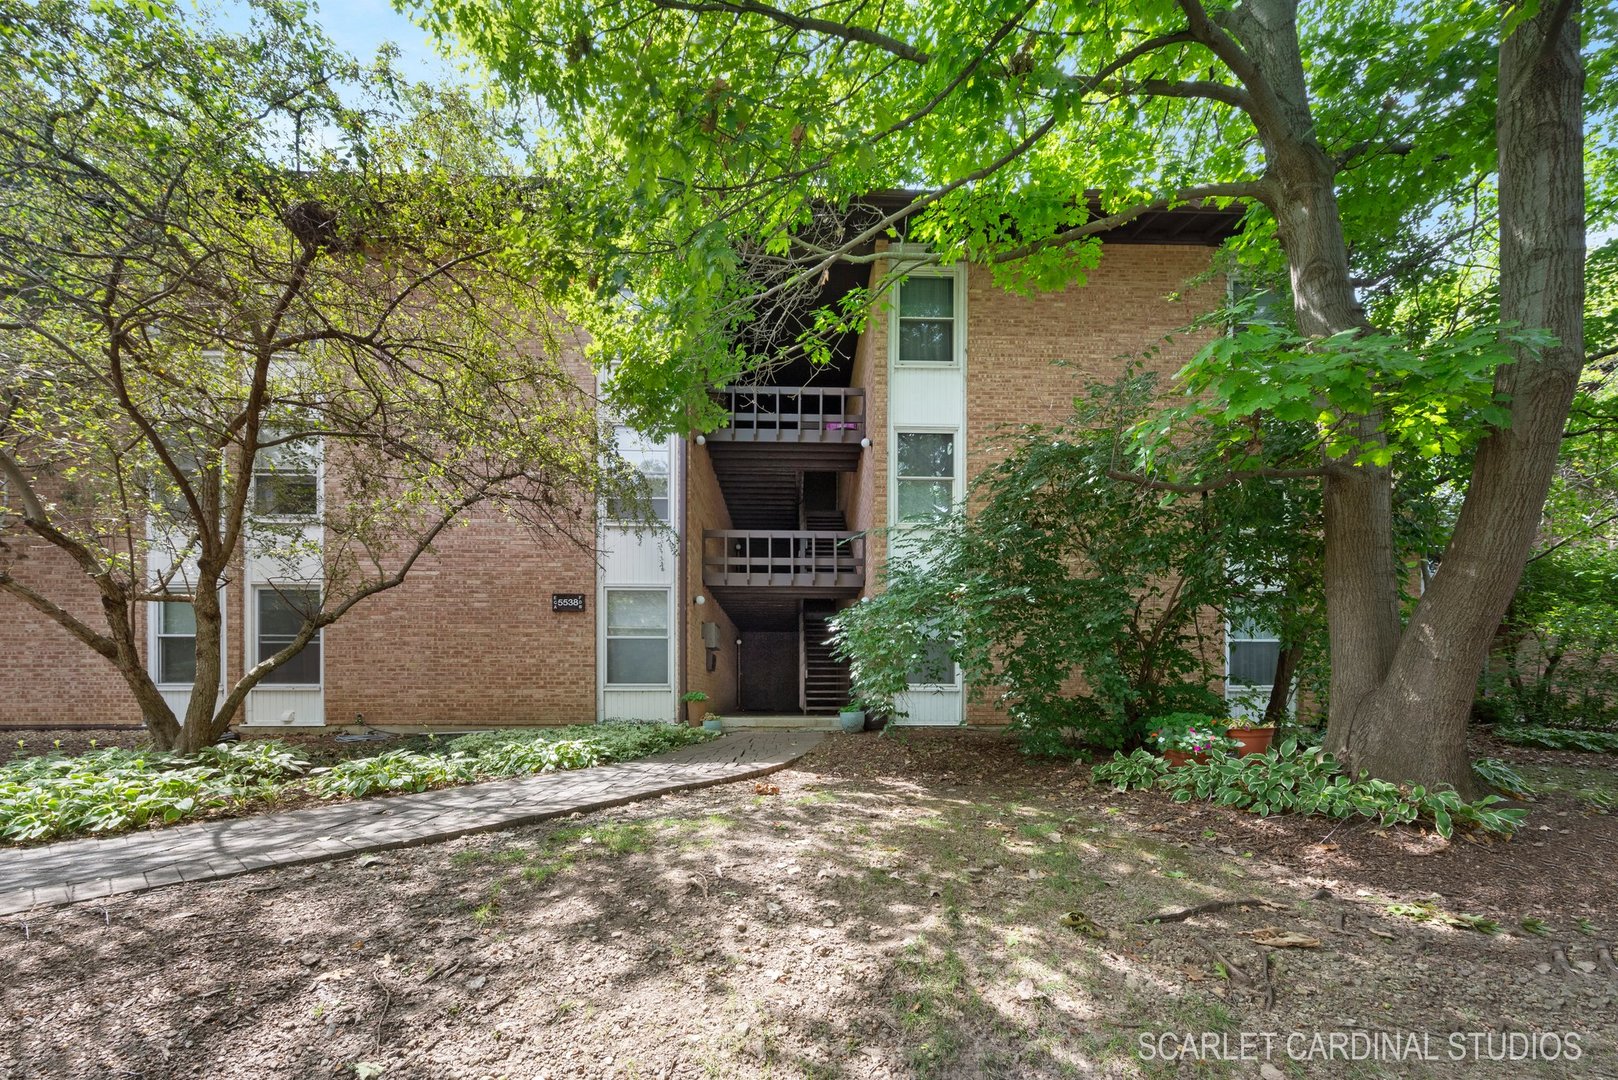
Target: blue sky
<point>359,27</point>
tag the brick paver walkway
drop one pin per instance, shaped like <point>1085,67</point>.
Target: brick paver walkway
<point>76,870</point>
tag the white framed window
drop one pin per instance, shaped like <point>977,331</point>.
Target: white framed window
<point>637,637</point>
<point>934,667</point>
<point>924,475</point>
<point>926,324</point>
<point>650,458</point>
<point>176,637</point>
<point>1252,650</point>
<point>279,613</point>
<point>286,480</point>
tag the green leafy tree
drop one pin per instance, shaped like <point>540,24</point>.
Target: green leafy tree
<point>719,151</point>
<point>199,312</point>
<point>1089,603</point>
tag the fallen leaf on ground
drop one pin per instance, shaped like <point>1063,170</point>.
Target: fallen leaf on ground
<point>1277,938</point>
<point>766,789</point>
<point>1081,922</point>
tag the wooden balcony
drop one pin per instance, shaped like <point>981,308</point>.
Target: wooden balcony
<point>801,562</point>
<point>777,432</point>
<point>832,415</point>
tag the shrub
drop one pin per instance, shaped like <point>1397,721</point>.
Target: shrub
<point>1193,733</point>
<point>1502,777</point>
<point>395,770</point>
<point>1083,599</point>
<point>1287,780</point>
<point>614,741</point>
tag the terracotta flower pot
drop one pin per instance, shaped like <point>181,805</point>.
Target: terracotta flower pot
<point>1252,740</point>
<point>1180,758</point>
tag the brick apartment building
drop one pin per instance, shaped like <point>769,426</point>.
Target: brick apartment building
<point>773,522</point>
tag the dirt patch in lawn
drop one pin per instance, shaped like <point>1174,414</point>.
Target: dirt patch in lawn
<point>931,904</point>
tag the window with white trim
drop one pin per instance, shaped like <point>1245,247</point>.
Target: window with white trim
<point>650,458</point>
<point>1252,651</point>
<point>286,480</point>
<point>637,637</point>
<point>934,667</point>
<point>176,643</point>
<point>927,320</point>
<point>281,612</point>
<point>924,476</point>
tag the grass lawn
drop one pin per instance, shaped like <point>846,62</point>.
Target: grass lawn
<point>927,905</point>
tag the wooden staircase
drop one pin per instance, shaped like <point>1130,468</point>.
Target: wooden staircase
<point>825,678</point>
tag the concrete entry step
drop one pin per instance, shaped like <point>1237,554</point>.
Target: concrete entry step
<point>788,722</point>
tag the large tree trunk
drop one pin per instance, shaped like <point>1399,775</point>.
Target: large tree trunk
<point>1414,727</point>
<point>1361,579</point>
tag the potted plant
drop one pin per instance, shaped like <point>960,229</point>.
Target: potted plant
<point>713,723</point>
<point>1185,737</point>
<point>1251,740</point>
<point>851,718</point>
<point>694,706</point>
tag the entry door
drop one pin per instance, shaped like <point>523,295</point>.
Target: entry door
<point>934,698</point>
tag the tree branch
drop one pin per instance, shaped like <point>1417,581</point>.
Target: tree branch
<point>1219,41</point>
<point>801,23</point>
<point>1233,96</point>
<point>1553,29</point>
<point>1240,476</point>
<point>102,644</point>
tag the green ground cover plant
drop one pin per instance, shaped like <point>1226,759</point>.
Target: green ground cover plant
<point>54,796</point>
<point>1549,738</point>
<point>1290,780</point>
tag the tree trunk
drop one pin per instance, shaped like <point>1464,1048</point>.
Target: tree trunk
<point>1286,670</point>
<point>154,711</point>
<point>201,729</point>
<point>1361,580</point>
<point>1413,728</point>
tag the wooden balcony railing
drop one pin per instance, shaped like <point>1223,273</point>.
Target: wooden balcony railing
<point>800,559</point>
<point>818,414</point>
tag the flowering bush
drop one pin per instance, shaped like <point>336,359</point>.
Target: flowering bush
<point>1192,733</point>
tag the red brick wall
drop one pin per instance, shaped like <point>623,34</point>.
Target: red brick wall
<point>1013,345</point>
<point>48,678</point>
<point>864,495</point>
<point>705,509</point>
<point>469,640</point>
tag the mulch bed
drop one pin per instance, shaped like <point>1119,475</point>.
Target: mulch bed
<point>921,904</point>
<point>1559,865</point>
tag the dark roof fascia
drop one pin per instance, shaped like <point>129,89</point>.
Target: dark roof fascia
<point>1194,224</point>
